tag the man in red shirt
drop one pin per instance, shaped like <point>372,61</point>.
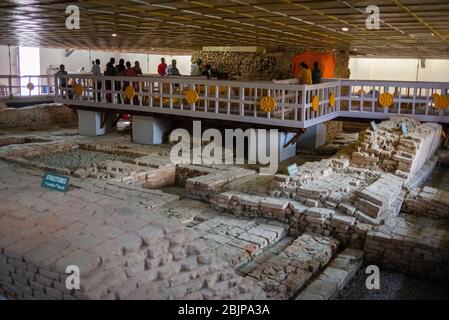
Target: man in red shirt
<point>162,67</point>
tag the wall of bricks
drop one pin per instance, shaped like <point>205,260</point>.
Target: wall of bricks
<point>427,201</point>
<point>390,150</point>
<point>38,117</point>
<point>410,249</point>
<point>333,129</point>
<point>275,63</point>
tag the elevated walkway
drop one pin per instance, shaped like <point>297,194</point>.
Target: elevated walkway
<point>294,106</point>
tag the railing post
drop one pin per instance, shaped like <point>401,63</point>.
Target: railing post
<point>303,103</point>
<point>10,86</point>
<point>56,84</point>
<point>241,103</point>
<point>338,95</point>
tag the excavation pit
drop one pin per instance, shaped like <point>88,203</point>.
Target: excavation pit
<point>77,158</point>
<point>6,141</point>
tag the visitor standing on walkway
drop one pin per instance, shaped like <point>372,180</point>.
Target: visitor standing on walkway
<point>63,81</point>
<point>96,71</point>
<point>120,71</point>
<point>129,72</point>
<point>162,67</point>
<point>110,71</point>
<point>195,70</point>
<point>207,71</point>
<point>137,69</point>
<point>172,69</point>
<point>316,73</point>
<point>304,74</point>
<point>120,68</point>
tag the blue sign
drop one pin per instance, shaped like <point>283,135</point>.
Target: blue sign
<point>55,182</point>
<point>292,170</point>
<point>404,129</point>
<point>374,126</point>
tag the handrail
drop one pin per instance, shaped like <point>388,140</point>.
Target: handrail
<point>298,106</point>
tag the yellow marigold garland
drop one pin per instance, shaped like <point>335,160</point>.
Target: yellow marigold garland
<point>78,90</point>
<point>315,103</point>
<point>332,99</point>
<point>130,92</point>
<point>191,96</point>
<point>440,101</point>
<point>267,104</point>
<point>386,100</point>
<point>445,102</point>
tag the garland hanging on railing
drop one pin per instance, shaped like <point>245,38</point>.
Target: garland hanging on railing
<point>78,90</point>
<point>191,96</point>
<point>267,104</point>
<point>130,92</point>
<point>332,99</point>
<point>315,103</point>
<point>440,101</point>
<point>386,100</point>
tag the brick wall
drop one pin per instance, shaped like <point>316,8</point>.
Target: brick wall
<point>427,201</point>
<point>38,117</point>
<point>410,249</point>
<point>274,64</point>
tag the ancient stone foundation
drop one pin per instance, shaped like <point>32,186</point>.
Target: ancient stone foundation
<point>390,150</point>
<point>38,117</point>
<point>356,199</point>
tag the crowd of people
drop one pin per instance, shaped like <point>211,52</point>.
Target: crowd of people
<point>304,74</point>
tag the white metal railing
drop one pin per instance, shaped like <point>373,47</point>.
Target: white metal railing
<point>26,86</point>
<point>239,100</point>
<point>359,98</point>
<point>217,99</point>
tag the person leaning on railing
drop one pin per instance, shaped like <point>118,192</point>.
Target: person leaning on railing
<point>63,81</point>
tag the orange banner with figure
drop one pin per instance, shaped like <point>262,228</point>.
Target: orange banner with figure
<point>326,60</point>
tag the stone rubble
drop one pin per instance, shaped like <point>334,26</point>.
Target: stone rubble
<point>389,149</point>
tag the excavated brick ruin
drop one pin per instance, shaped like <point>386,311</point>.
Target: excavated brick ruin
<point>249,237</point>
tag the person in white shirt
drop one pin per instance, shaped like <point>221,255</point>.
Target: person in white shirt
<point>196,68</point>
<point>96,71</point>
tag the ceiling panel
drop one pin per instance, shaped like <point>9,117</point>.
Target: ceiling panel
<point>409,28</point>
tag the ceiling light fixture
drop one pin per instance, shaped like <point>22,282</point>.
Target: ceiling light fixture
<point>344,29</point>
<point>114,34</point>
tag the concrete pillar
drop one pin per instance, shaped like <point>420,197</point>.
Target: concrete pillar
<point>149,130</point>
<point>89,123</point>
<point>283,138</point>
<point>314,137</point>
<point>320,135</point>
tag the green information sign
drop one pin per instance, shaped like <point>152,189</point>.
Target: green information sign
<point>55,182</point>
<point>292,170</point>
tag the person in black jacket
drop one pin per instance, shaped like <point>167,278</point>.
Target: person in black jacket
<point>110,71</point>
<point>119,71</point>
